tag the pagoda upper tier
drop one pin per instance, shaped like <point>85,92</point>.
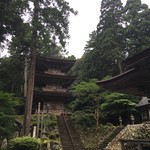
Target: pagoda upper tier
<point>50,79</point>
<point>53,65</point>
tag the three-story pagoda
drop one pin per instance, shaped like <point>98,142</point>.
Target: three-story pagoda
<point>51,83</point>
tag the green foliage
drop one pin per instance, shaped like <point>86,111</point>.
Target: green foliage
<point>84,106</point>
<point>11,74</point>
<point>50,121</point>
<point>51,24</point>
<point>86,95</point>
<point>10,18</point>
<point>90,136</point>
<point>24,143</point>
<point>137,22</point>
<point>8,103</point>
<point>84,118</point>
<point>84,88</point>
<point>7,111</point>
<point>7,126</point>
<point>117,104</point>
<point>20,43</point>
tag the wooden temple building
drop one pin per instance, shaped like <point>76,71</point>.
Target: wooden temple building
<point>135,80</point>
<point>51,83</point>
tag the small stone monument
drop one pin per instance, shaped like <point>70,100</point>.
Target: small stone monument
<point>4,144</point>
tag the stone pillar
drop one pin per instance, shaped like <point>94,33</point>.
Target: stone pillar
<point>34,131</point>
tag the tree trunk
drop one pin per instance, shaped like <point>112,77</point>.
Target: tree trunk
<point>25,77</point>
<point>29,97</point>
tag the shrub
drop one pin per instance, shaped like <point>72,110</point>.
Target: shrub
<point>24,143</point>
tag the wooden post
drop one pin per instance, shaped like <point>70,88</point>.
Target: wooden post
<point>41,124</point>
<point>38,119</point>
<point>97,123</point>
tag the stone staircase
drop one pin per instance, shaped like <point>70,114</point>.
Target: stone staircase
<point>128,133</point>
<point>110,137</point>
<point>70,139</point>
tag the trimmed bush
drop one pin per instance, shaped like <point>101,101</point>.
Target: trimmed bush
<point>24,143</point>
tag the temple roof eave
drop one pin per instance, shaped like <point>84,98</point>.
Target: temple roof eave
<point>63,64</point>
<point>137,59</point>
<point>40,74</point>
<point>52,93</point>
<point>116,78</point>
<point>52,59</point>
<point>51,96</point>
<point>132,82</point>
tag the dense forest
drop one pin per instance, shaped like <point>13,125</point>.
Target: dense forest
<point>122,31</point>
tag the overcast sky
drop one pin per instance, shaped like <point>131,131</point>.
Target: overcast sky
<point>84,23</point>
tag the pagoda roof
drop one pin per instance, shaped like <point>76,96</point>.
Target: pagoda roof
<point>135,81</point>
<point>64,80</point>
<point>63,64</point>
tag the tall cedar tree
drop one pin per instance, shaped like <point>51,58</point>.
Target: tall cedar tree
<point>103,51</point>
<point>90,62</point>
<point>137,27</point>
<point>49,21</point>
<point>110,35</point>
